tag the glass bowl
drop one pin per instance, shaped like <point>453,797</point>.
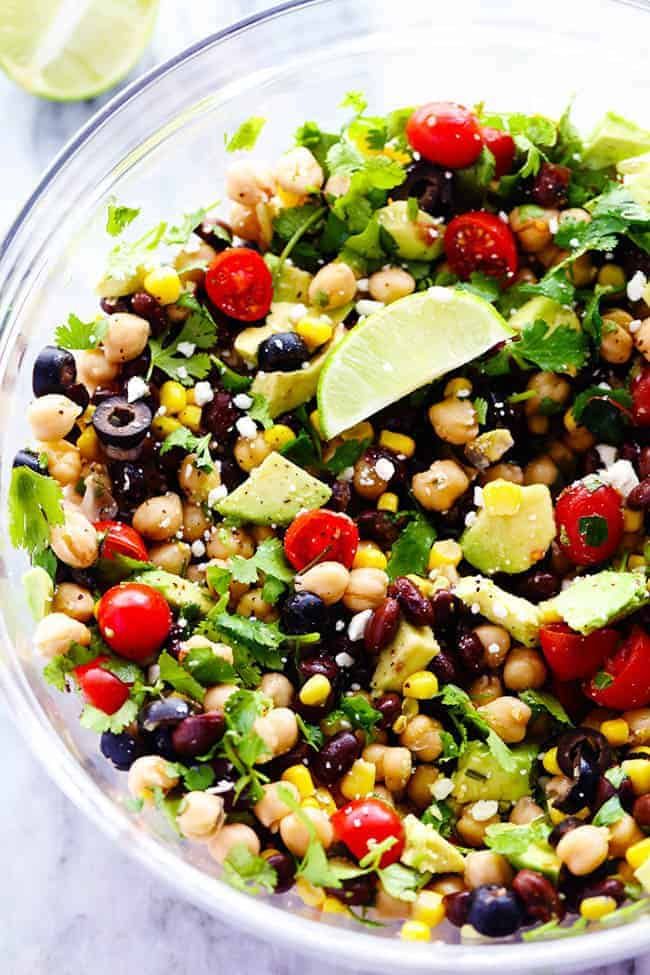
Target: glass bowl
<point>159,145</point>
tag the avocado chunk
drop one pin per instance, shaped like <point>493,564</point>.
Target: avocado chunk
<point>545,310</point>
<point>180,593</point>
<point>511,542</point>
<point>614,139</point>
<point>642,874</point>
<point>274,493</point>
<point>636,178</point>
<point>39,590</point>
<point>518,616</point>
<point>416,238</point>
<point>427,851</point>
<point>526,847</point>
<point>282,318</point>
<point>284,391</point>
<point>412,648</point>
<point>290,283</point>
<point>479,775</point>
<point>591,602</point>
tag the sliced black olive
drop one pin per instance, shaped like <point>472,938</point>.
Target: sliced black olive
<point>432,186</point>
<point>54,370</point>
<point>27,458</point>
<point>583,792</point>
<point>164,713</point>
<point>582,748</point>
<point>119,423</point>
<point>283,352</point>
<point>78,394</point>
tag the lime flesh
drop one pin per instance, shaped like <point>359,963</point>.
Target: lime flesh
<point>400,348</point>
<point>68,50</point>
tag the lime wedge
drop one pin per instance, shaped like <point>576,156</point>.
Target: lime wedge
<point>68,50</point>
<point>400,348</point>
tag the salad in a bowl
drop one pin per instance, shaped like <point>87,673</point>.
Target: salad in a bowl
<point>337,519</point>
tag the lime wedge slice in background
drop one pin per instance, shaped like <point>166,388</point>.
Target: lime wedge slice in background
<point>68,50</point>
<point>401,347</point>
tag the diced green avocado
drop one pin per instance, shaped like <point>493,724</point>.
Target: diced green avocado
<point>39,590</point>
<point>284,391</point>
<point>636,178</point>
<point>545,310</point>
<point>179,593</point>
<point>642,874</point>
<point>614,139</point>
<point>281,318</point>
<point>412,648</point>
<point>511,543</point>
<point>290,283</point>
<point>274,493</point>
<point>417,239</point>
<point>479,775</point>
<point>518,616</point>
<point>598,600</point>
<point>427,851</point>
<point>525,847</point>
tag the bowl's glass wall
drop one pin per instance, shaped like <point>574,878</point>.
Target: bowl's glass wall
<point>160,146</point>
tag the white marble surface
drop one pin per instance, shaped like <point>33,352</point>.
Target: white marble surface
<point>70,903</point>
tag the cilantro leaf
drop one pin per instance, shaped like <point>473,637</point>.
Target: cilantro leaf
<point>269,559</point>
<point>311,733</point>
<point>199,331</point>
<point>241,745</point>
<point>441,816</point>
<point>609,813</point>
<point>247,134</point>
<point>602,680</point>
<point>318,142</point>
<point>199,446</point>
<point>592,321</point>
<point>603,412</point>
<point>127,257</point>
<point>346,455</point>
<point>80,335</point>
<point>99,722</point>
<point>120,567</point>
<point>400,881</point>
<point>541,701</point>
<point>259,411</point>
<point>35,504</point>
<point>360,712</point>
<point>261,639</point>
<point>483,285</point>
<point>562,349</point>
<point>464,713</point>
<point>513,841</point>
<point>301,450</point>
<point>181,232</point>
<point>196,778</point>
<point>593,529</point>
<point>249,872</point>
<point>291,219</point>
<point>58,668</point>
<point>480,408</point>
<point>207,668</point>
<point>355,100</point>
<point>171,672</point>
<point>410,553</point>
<point>119,217</point>
<point>232,381</point>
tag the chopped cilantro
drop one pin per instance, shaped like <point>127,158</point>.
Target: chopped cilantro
<point>199,446</point>
<point>269,559</point>
<point>346,455</point>
<point>561,349</point>
<point>441,816</point>
<point>355,100</point>
<point>360,712</point>
<point>301,450</point>
<point>259,411</point>
<point>480,408</point>
<point>262,640</point>
<point>604,412</point>
<point>318,142</point>
<point>241,745</point>
<point>463,712</point>
<point>593,529</point>
<point>58,668</point>
<point>199,331</point>
<point>232,381</point>
<point>99,722</point>
<point>602,680</point>
<point>181,232</point>
<point>247,134</point>
<point>540,702</point>
<point>208,668</point>
<point>128,257</point>
<point>311,733</point>
<point>119,217</point>
<point>80,335</point>
<point>483,285</point>
<point>35,504</point>
<point>171,672</point>
<point>410,553</point>
<point>249,872</point>
<point>609,813</point>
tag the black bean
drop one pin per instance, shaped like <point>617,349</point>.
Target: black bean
<point>197,734</point>
<point>356,891</point>
<point>220,415</point>
<point>147,307</point>
<point>390,707</point>
<point>471,652</point>
<point>165,712</point>
<point>285,870</point>
<point>336,757</point>
<point>447,610</point>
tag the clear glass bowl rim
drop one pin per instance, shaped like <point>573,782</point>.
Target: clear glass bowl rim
<point>352,948</point>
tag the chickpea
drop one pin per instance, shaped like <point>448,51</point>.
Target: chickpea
<point>252,604</point>
<point>148,773</point>
<point>472,831</point>
<point>171,556</point>
<point>389,907</point>
<point>397,768</point>
<point>557,787</point>
<point>337,185</point>
<point>186,264</point>
<point>638,721</point>
<point>328,580</point>
<point>539,425</point>
<point>542,470</point>
<point>251,451</point>
<point>75,541</point>
<point>369,483</point>
<point>496,642</point>
<point>454,420</point>
<point>449,883</point>
<point>551,255</point>
<point>546,386</point>
<point>94,369</point>
<point>642,338</point>
<point>126,337</point>
<point>226,542</point>
<point>503,472</point>
<point>201,815</point>
<point>484,689</point>
<point>332,287</point>
<point>531,225</point>
<point>279,688</point>
<point>296,836</point>
<point>196,573</point>
<point>508,716</point>
<point>623,834</point>
<point>159,518</point>
<point>231,835</point>
<point>583,849</point>
<point>53,416</point>
<point>63,461</point>
<point>422,738</point>
<point>419,786</point>
<point>616,344</point>
<point>195,483</point>
<point>57,632</point>
<point>74,601</point>
<point>245,222</point>
<point>485,867</point>
<point>524,811</point>
<point>375,753</point>
<point>390,284</point>
<point>366,589</point>
<point>271,809</point>
<point>221,650</point>
<point>217,695</point>
<point>278,730</point>
<point>580,439</point>
<point>524,670</point>
<point>440,487</point>
<point>249,183</point>
<point>574,215</point>
<point>298,171</point>
<point>195,522</point>
<point>581,272</point>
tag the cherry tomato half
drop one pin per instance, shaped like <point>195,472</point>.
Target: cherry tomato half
<point>101,688</point>
<point>321,535</point>
<point>589,520</point>
<point>363,820</point>
<point>640,389</point>
<point>121,539</point>
<point>445,133</point>
<point>480,241</point>
<point>134,619</point>
<point>240,284</point>
<point>628,666</point>
<point>502,146</point>
<point>571,655</point>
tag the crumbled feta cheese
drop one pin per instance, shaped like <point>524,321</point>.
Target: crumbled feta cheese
<point>203,393</point>
<point>346,474</point>
<point>182,372</point>
<point>442,788</point>
<point>484,809</point>
<point>470,518</point>
<point>635,325</point>
<point>344,659</point>
<point>478,496</point>
<point>198,548</point>
<point>246,427</point>
<point>217,494</point>
<point>297,311</point>
<point>606,453</point>
<point>366,307</point>
<point>621,476</point>
<point>385,468</point>
<point>553,225</point>
<point>358,623</point>
<point>363,284</point>
<point>635,286</point>
<point>161,411</point>
<point>339,625</point>
<point>136,388</point>
<point>242,401</point>
<point>186,348</point>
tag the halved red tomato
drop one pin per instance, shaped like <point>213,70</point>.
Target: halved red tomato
<point>571,655</point>
<point>624,679</point>
<point>482,242</point>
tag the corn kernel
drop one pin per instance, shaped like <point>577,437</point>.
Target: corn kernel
<point>315,691</point>
<point>388,502</point>
<point>570,423</point>
<point>632,520</point>
<point>359,781</point>
<point>443,553</point>
<point>397,443</point>
<point>593,908</point>
<point>616,732</point>
<point>400,724</point>
<point>636,562</point>
<point>88,444</point>
<point>360,431</point>
<point>300,776</point>
<point>190,417</point>
<point>162,426</point>
<point>325,801</point>
<point>315,331</point>
<point>410,708</point>
<point>191,396</point>
<point>173,397</point>
<point>502,497</point>
<point>638,772</point>
<point>279,435</point>
<point>311,802</point>
<point>638,853</point>
<point>458,387</point>
<point>415,931</point>
<point>287,198</point>
<point>555,815</point>
<point>332,905</point>
<point>422,685</point>
<point>314,419</point>
<point>550,762</point>
<point>369,556</point>
<point>424,585</point>
<point>428,908</point>
<point>164,284</point>
<point>309,895</point>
